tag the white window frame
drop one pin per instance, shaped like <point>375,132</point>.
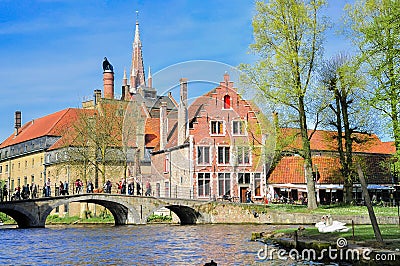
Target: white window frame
<point>243,128</point>
<point>244,178</point>
<point>219,133</point>
<point>224,147</point>
<point>241,155</point>
<point>201,155</point>
<point>224,183</point>
<point>204,194</point>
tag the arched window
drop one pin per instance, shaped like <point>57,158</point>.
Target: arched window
<point>227,102</point>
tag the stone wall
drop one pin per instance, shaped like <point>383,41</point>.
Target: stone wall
<point>245,213</point>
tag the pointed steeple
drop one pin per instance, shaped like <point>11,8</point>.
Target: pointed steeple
<point>137,70</point>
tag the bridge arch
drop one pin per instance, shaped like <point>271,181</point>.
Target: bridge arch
<point>186,214</point>
<point>24,218</point>
<point>122,212</point>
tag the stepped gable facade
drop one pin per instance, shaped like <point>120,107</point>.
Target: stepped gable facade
<point>213,150</point>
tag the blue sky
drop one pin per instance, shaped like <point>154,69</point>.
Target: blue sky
<point>51,50</point>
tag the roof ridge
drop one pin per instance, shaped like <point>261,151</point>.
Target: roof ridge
<point>59,119</point>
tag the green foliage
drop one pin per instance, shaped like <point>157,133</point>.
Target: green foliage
<point>258,208</point>
<point>288,37</point>
<point>374,28</point>
<point>335,210</point>
<point>6,219</point>
<point>155,218</point>
<point>56,219</point>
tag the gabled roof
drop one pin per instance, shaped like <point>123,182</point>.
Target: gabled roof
<point>50,125</point>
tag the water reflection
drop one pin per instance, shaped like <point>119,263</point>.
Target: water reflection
<point>132,245</point>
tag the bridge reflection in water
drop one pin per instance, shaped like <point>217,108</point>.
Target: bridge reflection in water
<point>126,209</point>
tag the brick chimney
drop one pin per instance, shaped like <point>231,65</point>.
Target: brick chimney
<point>182,112</point>
<point>17,122</point>
<point>108,83</point>
<point>163,125</point>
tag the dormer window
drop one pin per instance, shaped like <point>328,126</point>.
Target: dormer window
<point>227,102</point>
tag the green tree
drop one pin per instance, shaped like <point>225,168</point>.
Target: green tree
<point>374,28</point>
<point>103,139</point>
<point>343,83</point>
<point>288,36</point>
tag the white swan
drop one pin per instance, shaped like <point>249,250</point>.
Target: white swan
<point>328,226</point>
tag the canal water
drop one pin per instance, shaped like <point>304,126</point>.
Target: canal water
<point>133,245</point>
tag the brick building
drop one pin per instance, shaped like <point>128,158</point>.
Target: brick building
<point>288,178</point>
<point>213,148</point>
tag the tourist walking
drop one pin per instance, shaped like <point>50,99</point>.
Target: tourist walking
<point>119,187</point>
<point>66,187</point>
<point>108,186</point>
<point>78,186</point>
<point>33,191</point>
<point>131,188</point>
<point>148,188</point>
<point>48,188</point>
<point>17,194</point>
<point>90,187</point>
<point>138,188</point>
<point>61,188</point>
<point>248,196</point>
<point>5,193</point>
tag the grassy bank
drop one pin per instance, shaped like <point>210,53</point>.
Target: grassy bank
<point>334,209</point>
<point>361,232</point>
<point>55,219</point>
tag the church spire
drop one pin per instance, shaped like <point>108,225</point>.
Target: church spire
<point>137,70</point>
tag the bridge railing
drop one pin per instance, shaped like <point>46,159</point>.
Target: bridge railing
<point>175,191</point>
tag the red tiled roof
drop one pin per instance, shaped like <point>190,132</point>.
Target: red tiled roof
<point>323,140</point>
<point>152,132</point>
<point>68,133</point>
<point>291,170</point>
<point>50,125</point>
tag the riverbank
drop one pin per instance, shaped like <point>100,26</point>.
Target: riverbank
<point>242,213</point>
<point>359,248</point>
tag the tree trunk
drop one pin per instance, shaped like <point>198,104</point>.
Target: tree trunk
<point>371,212</point>
<point>348,174</point>
<point>311,196</point>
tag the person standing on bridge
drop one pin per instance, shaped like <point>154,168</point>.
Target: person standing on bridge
<point>34,191</point>
<point>48,186</point>
<point>5,193</point>
<point>61,188</point>
<point>148,188</point>
<point>66,187</point>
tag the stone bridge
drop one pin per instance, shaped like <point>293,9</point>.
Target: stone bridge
<point>125,209</point>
